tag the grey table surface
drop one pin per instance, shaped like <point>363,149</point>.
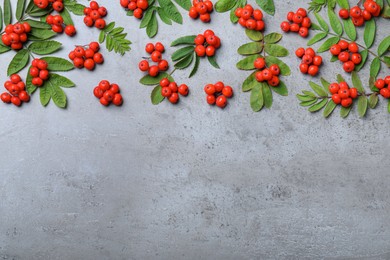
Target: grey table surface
<point>190,181</point>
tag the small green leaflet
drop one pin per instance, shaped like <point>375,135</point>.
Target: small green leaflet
<point>18,62</point>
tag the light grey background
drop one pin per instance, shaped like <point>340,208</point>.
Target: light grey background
<point>191,181</point>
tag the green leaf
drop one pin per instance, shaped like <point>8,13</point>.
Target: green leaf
<point>44,47</point>
<point>276,50</point>
<point>171,10</point>
<point>185,62</point>
<point>373,100</point>
<point>213,62</point>
<point>387,61</point>
<point>343,4</point>
<point>318,89</point>
<point>362,106</point>
<point>196,66</point>
<point>308,103</point>
<point>320,105</point>
<point>184,40</point>
<point>182,52</point>
<point>254,35</point>
<point>7,12</point>
<point>115,39</point>
<point>357,83</point>
<point>329,108</point>
<point>57,94</point>
<point>340,78</point>
<point>77,9</point>
<point>364,55</point>
<point>284,68</point>
<point>152,28</point>
<point>42,34</point>
<point>147,16</point>
<point>316,38</point>
<point>250,82</point>
<point>18,62</point>
<point>186,4</point>
<point>58,64</point>
<point>335,22</point>
<point>30,88</point>
<point>272,38</point>
<point>1,19</point>
<point>305,98</point>
<point>156,95</point>
<point>384,46</point>
<point>267,93</point>
<point>61,81</point>
<point>38,24</point>
<point>388,106</point>
<point>151,81</point>
<point>328,43</point>
<point>250,48</point>
<point>369,33</point>
<point>4,49</point>
<point>350,29</point>
<point>163,16</point>
<point>67,18</point>
<point>322,22</point>
<point>375,67</point>
<point>268,6</point>
<point>257,98</point>
<point>224,5</point>
<point>344,111</point>
<point>247,63</point>
<point>325,84</point>
<point>281,89</point>
<point>44,93</point>
<point>20,9</point>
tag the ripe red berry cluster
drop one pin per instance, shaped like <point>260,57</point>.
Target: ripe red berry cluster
<point>137,6</point>
<point>384,86</point>
<point>108,93</point>
<point>57,5</point>
<point>218,93</point>
<point>348,53</point>
<point>16,88</point>
<point>57,25</point>
<point>297,22</point>
<point>39,72</point>
<point>310,61</point>
<point>207,43</point>
<point>15,35</point>
<point>343,94</point>
<point>201,9</point>
<point>271,74</point>
<point>155,51</point>
<point>171,91</point>
<point>250,18</point>
<point>94,15</point>
<point>86,57</point>
<point>359,16</point>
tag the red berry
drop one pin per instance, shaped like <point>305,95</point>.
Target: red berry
<point>70,30</point>
<point>117,100</point>
<point>144,65</point>
<point>211,99</point>
<point>5,97</point>
<point>183,90</point>
<point>380,83</point>
<point>98,92</point>
<point>221,101</point>
<point>104,85</point>
<point>227,91</point>
<point>16,101</point>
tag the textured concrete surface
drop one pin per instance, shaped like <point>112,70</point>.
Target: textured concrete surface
<point>190,181</point>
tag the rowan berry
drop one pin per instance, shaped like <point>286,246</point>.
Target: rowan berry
<point>173,87</point>
<point>183,90</point>
<point>227,91</point>
<point>380,83</point>
<point>153,70</point>
<point>210,99</point>
<point>343,56</point>
<point>200,50</point>
<point>117,100</point>
<point>385,92</point>
<point>156,56</point>
<point>285,26</point>
<point>104,85</point>
<point>221,101</point>
<point>6,98</point>
<point>387,80</point>
<point>335,49</point>
<point>16,101</point>
<point>70,30</point>
<point>78,62</point>
<point>104,101</point>
<point>274,82</point>
<point>356,58</point>
<point>44,74</point>
<point>219,86</point>
<point>313,70</point>
<point>353,93</point>
<point>275,69</point>
<point>344,13</point>
<point>94,46</point>
<point>307,59</point>
<point>317,60</point>
<point>210,51</point>
<point>23,96</point>
<point>355,12</point>
<point>164,82</point>
<point>336,98</point>
<point>89,64</point>
<point>267,74</point>
<point>304,32</point>
<point>259,63</point>
<point>346,102</point>
<point>349,66</point>
<point>98,92</point>
<point>209,89</point>
<point>303,68</point>
<point>343,44</point>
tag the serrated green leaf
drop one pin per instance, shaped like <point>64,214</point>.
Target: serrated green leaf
<point>340,78</point>
<point>254,35</point>
<point>42,34</point>
<point>284,68</point>
<point>281,89</point>
<point>330,107</point>
<point>182,52</point>
<point>146,17</point>
<point>61,81</point>
<point>186,4</point>
<point>213,62</point>
<point>4,49</point>
<point>222,6</point>
<point>196,66</point>
<point>362,106</point>
<point>58,64</point>
<point>38,24</point>
<point>316,38</point>
<point>57,94</point>
<point>20,9</point>
<point>152,28</point>
<point>276,50</point>
<point>369,32</point>
<point>364,55</point>
<point>344,111</point>
<point>384,46</point>
<point>171,10</point>
<point>247,63</point>
<point>163,16</point>
<point>373,100</point>
<point>388,106</point>
<point>320,105</point>
<point>343,4</point>
<point>305,98</point>
<point>325,84</point>
<point>75,8</point>
<point>322,22</point>
<point>318,89</point>
<point>357,83</point>
<point>44,93</point>
<point>272,38</point>
<point>250,82</point>
<point>267,93</point>
<point>151,81</point>
<point>250,48</point>
<point>156,95</point>
<point>257,98</point>
<point>18,62</point>
<point>350,29</point>
<point>67,18</point>
<point>375,67</point>
<point>308,103</point>
<point>268,6</point>
<point>184,40</point>
<point>328,43</point>
<point>7,12</point>
<point>44,47</point>
<point>185,61</point>
<point>335,22</point>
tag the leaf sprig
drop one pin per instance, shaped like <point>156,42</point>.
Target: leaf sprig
<point>266,47</point>
<point>115,39</point>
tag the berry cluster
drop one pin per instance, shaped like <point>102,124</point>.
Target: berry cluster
<point>348,53</point>
<point>359,16</point>
<point>155,51</point>
<point>16,88</point>
<point>86,57</point>
<point>250,18</point>
<point>201,9</point>
<point>57,22</point>
<point>207,43</point>
<point>93,15</point>
<point>57,5</point>
<point>271,74</point>
<point>171,91</point>
<point>108,93</point>
<point>343,94</point>
<point>218,93</point>
<point>39,72</point>
<point>299,22</point>
<point>384,86</point>
<point>15,35</point>
<point>310,61</point>
<point>137,6</point>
